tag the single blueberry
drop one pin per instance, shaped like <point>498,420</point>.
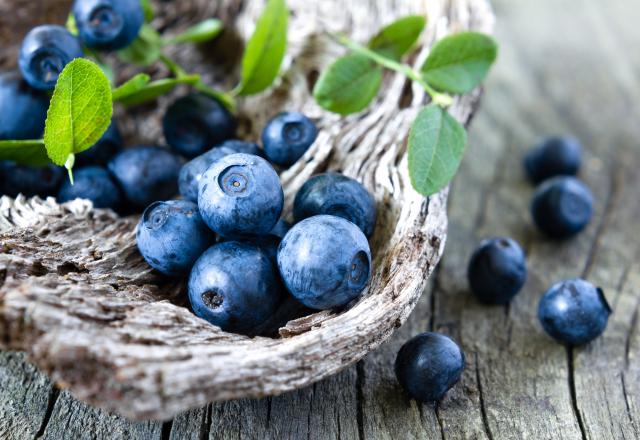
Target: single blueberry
<point>23,109</point>
<point>146,174</point>
<point>171,236</point>
<point>108,24</point>
<point>93,183</point>
<point>240,195</point>
<point>107,146</point>
<point>562,207</point>
<point>196,122</point>
<point>243,147</point>
<point>234,286</point>
<point>192,171</point>
<point>574,312</point>
<point>45,51</point>
<point>335,194</point>
<point>325,261</point>
<point>287,137</point>
<point>428,365</point>
<point>497,270</point>
<point>553,156</point>
<point>29,181</point>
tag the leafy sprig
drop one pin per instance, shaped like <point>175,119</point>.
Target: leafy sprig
<point>456,64</point>
<point>82,102</point>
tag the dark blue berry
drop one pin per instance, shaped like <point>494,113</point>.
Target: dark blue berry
<point>192,171</point>
<point>574,312</point>
<point>240,195</point>
<point>335,194</point>
<point>29,181</point>
<point>554,156</point>
<point>562,207</point>
<point>287,137</point>
<point>146,174</point>
<point>93,183</point>
<point>325,261</point>
<point>195,123</point>
<point>107,146</point>
<point>108,24</point>
<point>497,270</point>
<point>45,51</point>
<point>243,147</point>
<point>428,365</point>
<point>23,109</point>
<point>234,286</point>
<point>171,236</point>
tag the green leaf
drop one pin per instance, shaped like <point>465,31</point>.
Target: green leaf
<point>154,89</point>
<point>147,8</point>
<point>200,33</point>
<point>396,39</point>
<point>458,63</point>
<point>225,98</point>
<point>131,86</point>
<point>348,85</point>
<point>30,152</point>
<point>80,110</point>
<point>436,146</point>
<point>145,49</point>
<point>71,25</point>
<point>265,50</point>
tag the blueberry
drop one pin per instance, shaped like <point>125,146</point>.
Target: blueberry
<point>23,110</point>
<point>574,312</point>
<point>554,156</point>
<point>195,123</point>
<point>107,146</point>
<point>336,194</point>
<point>243,147</point>
<point>93,183</point>
<point>562,207</point>
<point>146,174</point>
<point>269,243</point>
<point>234,286</point>
<point>497,270</point>
<point>192,171</point>
<point>428,365</point>
<point>29,181</point>
<point>240,195</point>
<point>171,236</point>
<point>45,51</point>
<point>287,137</point>
<point>325,261</point>
<point>108,24</point>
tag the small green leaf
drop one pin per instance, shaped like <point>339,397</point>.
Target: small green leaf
<point>200,33</point>
<point>30,152</point>
<point>396,39</point>
<point>154,89</point>
<point>436,146</point>
<point>71,25</point>
<point>131,86</point>
<point>145,49</point>
<point>265,50</point>
<point>80,110</point>
<point>147,8</point>
<point>348,85</point>
<point>458,63</point>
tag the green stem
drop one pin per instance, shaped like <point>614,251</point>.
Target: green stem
<point>442,99</point>
<point>174,67</point>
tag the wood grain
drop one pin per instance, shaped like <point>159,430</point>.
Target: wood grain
<point>566,66</point>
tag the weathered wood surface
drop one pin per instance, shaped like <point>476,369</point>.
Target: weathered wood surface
<point>565,66</point>
<point>79,299</point>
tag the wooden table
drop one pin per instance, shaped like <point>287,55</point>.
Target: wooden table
<point>566,66</point>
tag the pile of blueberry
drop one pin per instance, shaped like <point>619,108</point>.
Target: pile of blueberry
<point>573,312</point>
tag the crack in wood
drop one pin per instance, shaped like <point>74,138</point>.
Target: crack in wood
<point>572,393</point>
<point>483,409</point>
<point>165,433</point>
<point>360,382</point>
<point>205,427</point>
<point>54,393</point>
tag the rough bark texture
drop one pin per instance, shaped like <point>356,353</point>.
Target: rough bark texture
<point>77,297</point>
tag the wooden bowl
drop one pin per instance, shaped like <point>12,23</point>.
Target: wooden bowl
<point>78,298</point>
